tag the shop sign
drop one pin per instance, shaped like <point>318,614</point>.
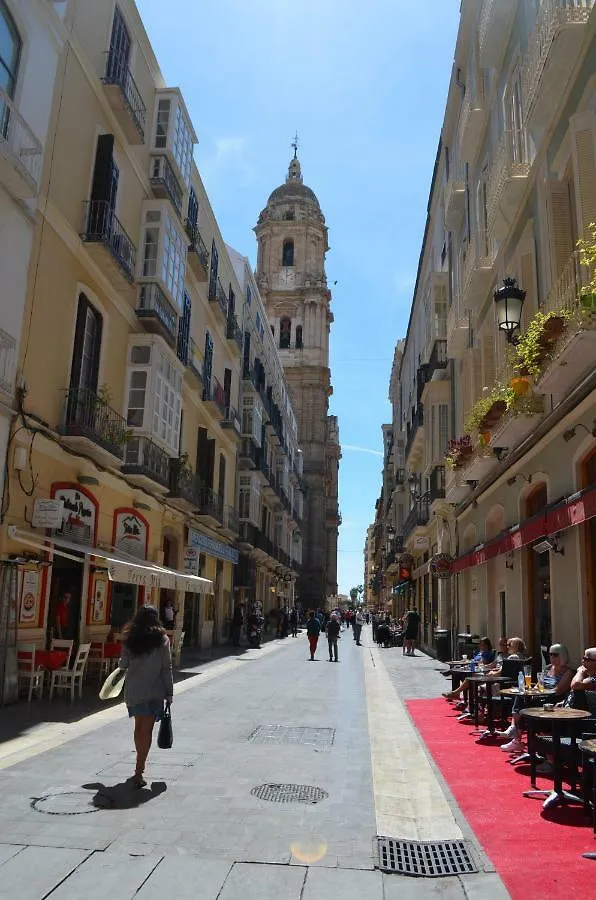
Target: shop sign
<point>79,514</point>
<point>191,561</point>
<point>205,544</point>
<point>29,603</point>
<point>131,533</point>
<point>421,544</point>
<point>441,565</point>
<point>47,513</point>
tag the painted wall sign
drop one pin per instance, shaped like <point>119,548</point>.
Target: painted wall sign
<point>47,513</point>
<point>421,544</point>
<point>79,516</point>
<point>29,599</point>
<point>191,561</point>
<point>208,545</point>
<point>131,533</point>
<point>99,601</point>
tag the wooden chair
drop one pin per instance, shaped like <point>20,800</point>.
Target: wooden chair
<point>27,673</point>
<point>98,661</point>
<point>68,678</point>
<point>59,644</point>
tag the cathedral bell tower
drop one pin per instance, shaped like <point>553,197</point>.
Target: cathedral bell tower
<point>292,243</point>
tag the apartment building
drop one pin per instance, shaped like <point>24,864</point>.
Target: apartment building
<point>270,478</point>
<point>30,44</point>
<point>131,356</point>
<point>497,376</point>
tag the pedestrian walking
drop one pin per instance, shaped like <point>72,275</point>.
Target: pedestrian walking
<point>147,662</point>
<point>313,630</point>
<point>333,629</point>
<point>358,623</point>
<point>294,622</point>
<point>411,634</point>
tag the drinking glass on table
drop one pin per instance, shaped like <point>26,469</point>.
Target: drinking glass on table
<point>528,677</point>
<point>540,681</point>
<point>464,657</point>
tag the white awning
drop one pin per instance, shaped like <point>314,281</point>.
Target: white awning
<point>119,568</point>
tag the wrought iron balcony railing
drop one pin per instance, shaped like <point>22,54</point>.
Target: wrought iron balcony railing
<point>18,143</point>
<point>197,245</point>
<point>164,181</point>
<point>102,226</point>
<point>143,457</point>
<point>88,415</point>
<point>118,73</point>
<point>153,302</point>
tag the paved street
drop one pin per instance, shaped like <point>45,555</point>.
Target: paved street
<point>70,826</point>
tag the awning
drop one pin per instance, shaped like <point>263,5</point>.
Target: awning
<point>119,567</point>
<point>573,510</point>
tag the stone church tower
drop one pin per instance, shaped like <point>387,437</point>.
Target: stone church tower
<point>292,243</point>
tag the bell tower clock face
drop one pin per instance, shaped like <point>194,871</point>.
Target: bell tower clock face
<point>288,276</point>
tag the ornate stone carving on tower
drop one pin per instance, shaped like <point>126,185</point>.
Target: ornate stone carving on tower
<point>292,243</point>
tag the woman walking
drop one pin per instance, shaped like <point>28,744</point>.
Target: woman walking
<point>148,664</point>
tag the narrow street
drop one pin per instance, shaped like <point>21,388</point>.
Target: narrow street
<point>71,827</point>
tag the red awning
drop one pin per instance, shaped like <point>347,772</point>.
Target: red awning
<point>556,517</point>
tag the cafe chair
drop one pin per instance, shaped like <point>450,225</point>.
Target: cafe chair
<point>98,661</point>
<point>588,779</point>
<point>65,678</point>
<point>60,644</point>
<point>27,673</point>
<point>570,752</point>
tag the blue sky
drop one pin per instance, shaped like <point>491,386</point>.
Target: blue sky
<point>364,84</point>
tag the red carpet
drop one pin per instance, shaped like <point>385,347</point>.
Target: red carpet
<point>536,853</point>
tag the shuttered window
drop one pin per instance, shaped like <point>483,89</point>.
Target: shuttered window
<point>443,431</point>
<point>586,175</point>
<point>559,226</point>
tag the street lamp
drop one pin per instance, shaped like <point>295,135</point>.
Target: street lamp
<point>509,299</point>
<point>414,485</point>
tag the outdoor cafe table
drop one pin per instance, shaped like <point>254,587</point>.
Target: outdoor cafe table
<point>458,675</point>
<point>555,721</point>
<point>475,681</point>
<point>50,659</point>
<point>532,693</point>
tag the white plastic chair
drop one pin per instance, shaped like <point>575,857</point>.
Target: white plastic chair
<point>97,660</point>
<point>68,678</point>
<point>60,644</point>
<point>26,671</point>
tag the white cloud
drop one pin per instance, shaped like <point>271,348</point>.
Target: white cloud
<point>230,155</point>
<point>357,449</point>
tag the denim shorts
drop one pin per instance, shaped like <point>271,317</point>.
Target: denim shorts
<point>148,708</point>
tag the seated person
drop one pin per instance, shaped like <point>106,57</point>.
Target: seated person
<point>485,656</point>
<point>557,677</point>
<point>583,680</point>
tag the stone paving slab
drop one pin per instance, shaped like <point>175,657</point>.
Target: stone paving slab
<point>117,877</point>
<point>32,874</point>
<point>263,882</point>
<point>185,878</point>
<point>324,884</point>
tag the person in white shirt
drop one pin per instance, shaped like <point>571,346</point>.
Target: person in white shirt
<point>358,623</point>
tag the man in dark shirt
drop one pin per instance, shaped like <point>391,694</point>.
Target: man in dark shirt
<point>411,635</point>
<point>333,629</point>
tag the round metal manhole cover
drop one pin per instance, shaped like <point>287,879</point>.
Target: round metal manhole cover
<point>71,803</point>
<point>289,793</point>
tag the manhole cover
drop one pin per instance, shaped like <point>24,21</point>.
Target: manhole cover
<point>289,793</point>
<point>71,803</point>
<point>430,859</point>
<point>322,738</point>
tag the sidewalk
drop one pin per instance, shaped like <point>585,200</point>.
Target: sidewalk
<point>70,825</point>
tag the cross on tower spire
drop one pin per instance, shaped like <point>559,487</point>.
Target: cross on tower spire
<point>294,144</point>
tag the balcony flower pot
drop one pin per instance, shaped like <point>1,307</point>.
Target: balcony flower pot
<point>554,326</point>
<point>494,415</point>
<point>520,385</point>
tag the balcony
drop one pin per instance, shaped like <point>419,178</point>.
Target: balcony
<point>196,360</point>
<point>231,422</point>
<point>185,486</point>
<point>458,332</point>
<point>418,516</point>
<point>157,313</point>
<point>414,437</point>
<point>210,508</point>
<point>507,181</point>
<point>198,255</point>
<point>164,182</point>
<point>472,122</point>
<point>515,426</point>
<point>219,299</point>
<point>332,514</point>
<point>480,464</point>
<point>8,353</point>
<point>247,535</point>
<point>455,199</point>
<point>234,333</point>
<point>125,98</point>
<point>478,269</point>
<point>249,375</point>
<point>436,486</point>
<point>496,20</point>
<point>20,152</point>
<point>214,397</point>
<point>438,359</point>
<point>229,525</point>
<point>249,454</point>
<point>553,49</point>
<point>92,427</point>
<point>573,355</point>
<point>456,486</point>
<point>146,465</point>
<point>109,244</point>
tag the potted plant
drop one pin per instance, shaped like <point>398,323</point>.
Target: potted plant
<point>459,451</point>
<point>535,346</point>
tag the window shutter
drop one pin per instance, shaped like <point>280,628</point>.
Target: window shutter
<point>477,383</point>
<point>528,282</point>
<point>443,430</point>
<point>586,175</point>
<point>488,359</point>
<point>102,173</point>
<point>559,225</point>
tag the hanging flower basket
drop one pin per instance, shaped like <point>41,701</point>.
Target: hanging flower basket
<point>441,565</point>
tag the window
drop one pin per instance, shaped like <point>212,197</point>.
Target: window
<point>87,346</point>
<point>151,245</point>
<point>260,326</point>
<point>248,295</point>
<point>182,145</point>
<point>299,337</point>
<point>252,419</point>
<point>119,53</point>
<point>154,396</point>
<point>166,403</point>
<point>10,52</point>
<point>173,263</point>
<point>184,331</point>
<point>288,253</point>
<point>137,392</point>
<point>213,272</point>
<point>285,333</point>
<point>193,209</point>
<point>161,126</point>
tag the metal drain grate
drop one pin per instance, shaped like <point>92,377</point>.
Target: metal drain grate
<point>322,738</point>
<point>70,803</point>
<point>430,859</point>
<point>289,793</point>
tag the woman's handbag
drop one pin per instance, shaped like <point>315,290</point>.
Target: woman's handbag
<point>165,735</point>
<point>112,686</point>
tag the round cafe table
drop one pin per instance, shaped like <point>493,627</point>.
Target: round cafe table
<point>555,721</point>
<point>50,659</point>
<point>475,681</point>
<point>531,693</point>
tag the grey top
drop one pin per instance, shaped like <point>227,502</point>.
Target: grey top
<point>148,676</point>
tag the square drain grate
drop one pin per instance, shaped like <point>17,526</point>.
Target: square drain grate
<point>321,738</point>
<point>430,859</point>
